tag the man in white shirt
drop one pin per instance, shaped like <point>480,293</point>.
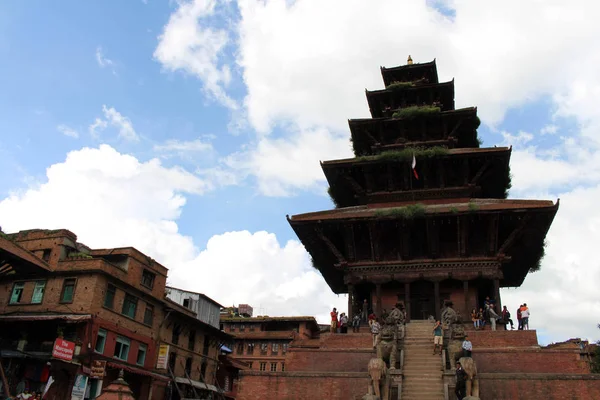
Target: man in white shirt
<point>467,347</point>
<point>525,317</point>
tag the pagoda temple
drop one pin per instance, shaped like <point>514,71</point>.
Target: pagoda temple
<point>422,214</point>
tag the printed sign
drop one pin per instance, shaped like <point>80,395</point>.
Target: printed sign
<point>163,356</point>
<point>79,387</point>
<point>63,349</point>
<point>98,368</point>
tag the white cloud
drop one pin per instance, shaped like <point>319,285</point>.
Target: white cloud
<point>175,145</point>
<point>116,119</point>
<point>103,61</point>
<point>517,140</point>
<point>549,129</point>
<point>188,43</point>
<point>67,131</point>
<point>110,199</point>
<point>283,165</point>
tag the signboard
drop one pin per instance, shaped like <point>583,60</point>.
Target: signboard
<point>163,356</point>
<point>79,387</point>
<point>98,368</point>
<point>63,349</point>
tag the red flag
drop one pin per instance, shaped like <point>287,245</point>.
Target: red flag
<point>414,164</point>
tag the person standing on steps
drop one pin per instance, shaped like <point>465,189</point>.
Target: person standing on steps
<point>461,382</point>
<point>506,318</point>
<point>467,347</point>
<point>375,328</point>
<point>334,320</point>
<point>356,323</point>
<point>438,339</point>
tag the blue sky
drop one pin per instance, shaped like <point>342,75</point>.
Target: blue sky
<point>189,129</point>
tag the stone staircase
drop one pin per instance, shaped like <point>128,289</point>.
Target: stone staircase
<point>422,370</point>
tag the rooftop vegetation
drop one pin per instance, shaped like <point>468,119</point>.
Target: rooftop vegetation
<point>415,111</point>
<point>406,154</point>
<point>538,258</point>
<point>508,183</point>
<point>473,206</point>
<point>408,212</point>
<point>332,197</point>
<point>79,255</point>
<point>399,85</point>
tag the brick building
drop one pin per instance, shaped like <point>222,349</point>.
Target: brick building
<point>262,343</point>
<point>68,311</point>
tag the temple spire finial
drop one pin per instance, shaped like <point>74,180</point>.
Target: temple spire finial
<point>409,61</point>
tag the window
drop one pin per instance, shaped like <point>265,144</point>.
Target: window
<point>192,340</point>
<point>148,279</point>
<point>240,348</point>
<point>122,348</point>
<point>282,367</point>
<point>109,296</point>
<point>273,367</point>
<point>141,356</point>
<point>188,366</point>
<point>263,366</point>
<point>100,341</point>
<point>186,303</point>
<point>250,349</point>
<point>203,370</point>
<point>17,293</point>
<point>148,314</point>
<point>251,327</point>
<point>284,348</point>
<point>250,365</point>
<point>274,348</point>
<point>38,292</point>
<point>242,328</point>
<point>206,345</point>
<point>263,348</point>
<point>68,291</point>
<point>175,334</point>
<point>172,360</point>
<point>129,306</point>
<point>46,254</point>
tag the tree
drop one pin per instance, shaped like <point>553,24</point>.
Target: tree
<point>595,358</point>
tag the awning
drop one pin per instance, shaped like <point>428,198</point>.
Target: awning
<point>196,384</point>
<point>69,318</point>
<point>137,371</point>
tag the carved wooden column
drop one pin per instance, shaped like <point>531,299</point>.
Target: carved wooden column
<point>467,302</point>
<point>378,299</point>
<point>350,302</point>
<point>407,300</point>
<point>436,294</point>
<point>497,296</point>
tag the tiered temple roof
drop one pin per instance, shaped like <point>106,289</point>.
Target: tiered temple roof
<point>447,219</point>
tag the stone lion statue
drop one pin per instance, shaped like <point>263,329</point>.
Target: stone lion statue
<point>378,373</point>
<point>387,347</point>
<point>449,316</point>
<point>470,367</point>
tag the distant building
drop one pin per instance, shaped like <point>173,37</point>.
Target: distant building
<point>245,310</point>
<point>207,310</point>
<point>262,342</point>
<point>82,315</point>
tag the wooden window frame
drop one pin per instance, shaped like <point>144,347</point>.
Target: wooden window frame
<point>62,291</point>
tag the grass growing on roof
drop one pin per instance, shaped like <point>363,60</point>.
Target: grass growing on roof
<point>539,257</point>
<point>415,111</point>
<point>454,210</point>
<point>408,212</point>
<point>473,206</point>
<point>333,200</point>
<point>399,85</point>
<point>406,154</point>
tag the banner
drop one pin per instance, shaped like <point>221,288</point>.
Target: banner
<point>163,356</point>
<point>97,369</point>
<point>79,387</point>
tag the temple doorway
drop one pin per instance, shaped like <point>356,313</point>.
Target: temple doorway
<point>422,303</point>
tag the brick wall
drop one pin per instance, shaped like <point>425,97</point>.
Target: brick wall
<point>530,361</point>
<point>300,386</point>
<point>316,360</point>
<point>345,341</point>
<point>487,339</point>
<point>536,387</point>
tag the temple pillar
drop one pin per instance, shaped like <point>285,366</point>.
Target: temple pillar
<point>378,299</point>
<point>467,302</point>
<point>407,300</point>
<point>497,296</point>
<point>436,294</point>
<point>350,302</point>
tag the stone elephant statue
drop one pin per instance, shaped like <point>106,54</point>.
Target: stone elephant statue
<point>470,367</point>
<point>378,373</point>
